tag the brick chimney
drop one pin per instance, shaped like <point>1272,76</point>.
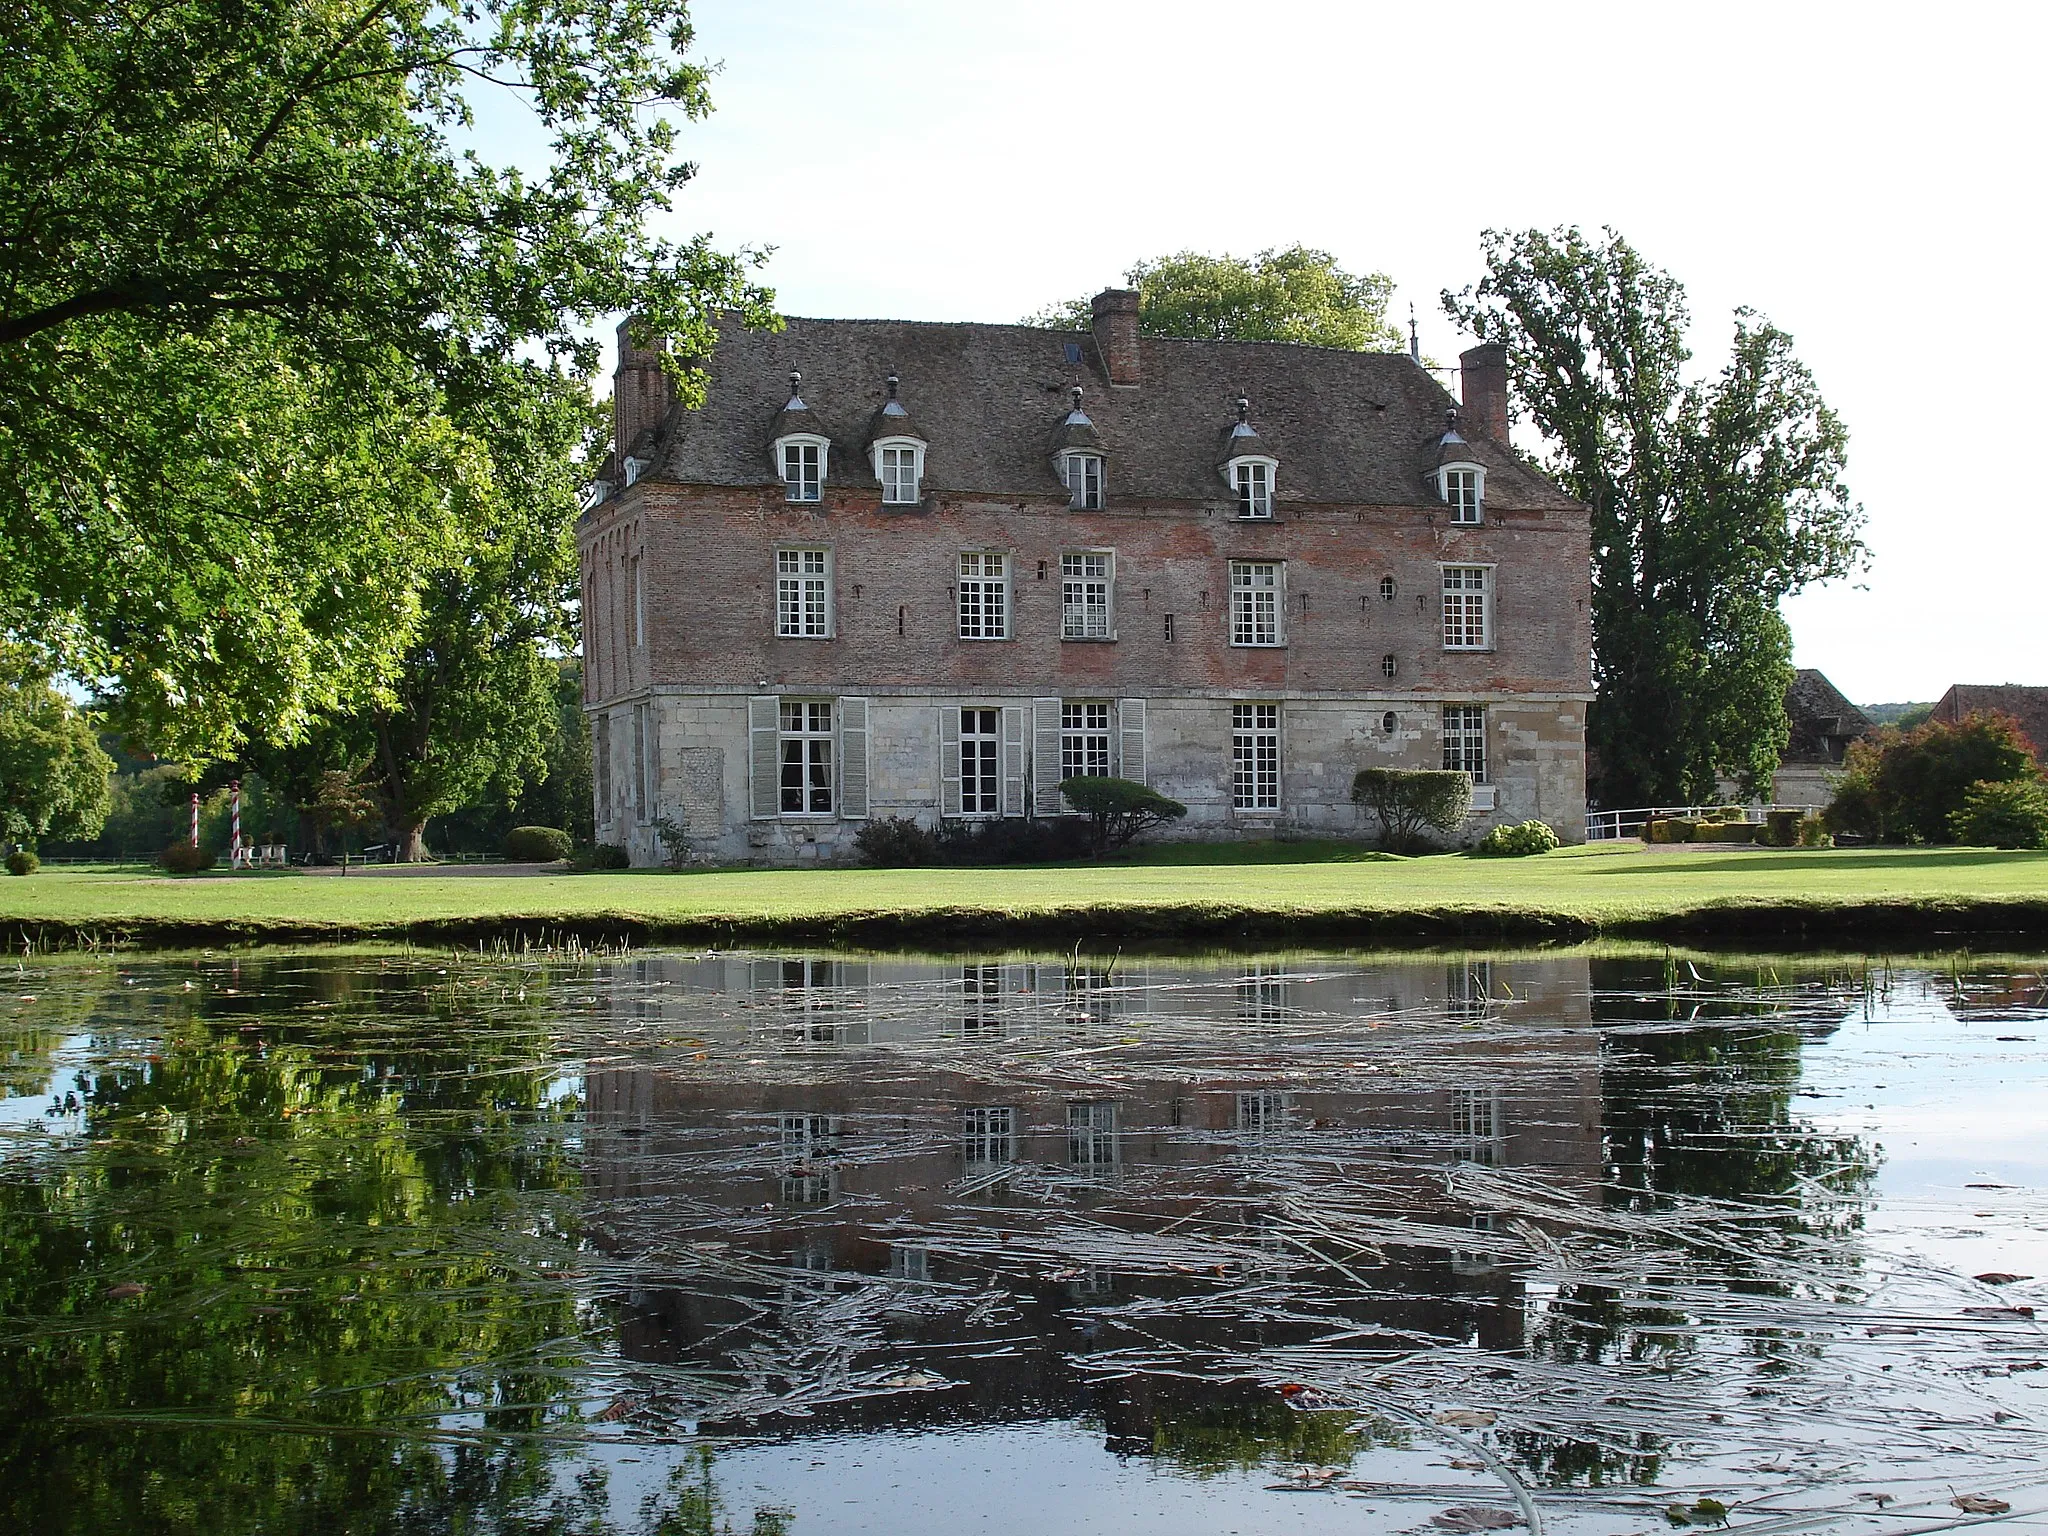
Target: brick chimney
<point>1483,382</point>
<point>1115,323</point>
<point>642,391</point>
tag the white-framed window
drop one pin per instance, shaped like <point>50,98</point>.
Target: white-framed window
<point>981,778</point>
<point>1264,1113</point>
<point>1085,578</point>
<point>1252,479</point>
<point>1468,607</point>
<point>803,593</point>
<point>1255,757</point>
<point>1465,740</point>
<point>1262,994</point>
<point>1084,739</point>
<point>981,1000</point>
<point>984,595</point>
<point>803,470</point>
<point>1255,587</point>
<point>988,1136</point>
<point>1462,487</point>
<point>806,742</point>
<point>1475,1114</point>
<point>1092,1136</point>
<point>900,466</point>
<point>1082,473</point>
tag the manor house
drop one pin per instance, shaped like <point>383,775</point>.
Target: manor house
<point>895,568</point>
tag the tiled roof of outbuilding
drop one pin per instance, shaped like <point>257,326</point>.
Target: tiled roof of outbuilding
<point>2028,705</point>
<point>1347,427</point>
<point>1821,717</point>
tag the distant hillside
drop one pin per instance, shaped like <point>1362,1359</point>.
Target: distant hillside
<point>1898,714</point>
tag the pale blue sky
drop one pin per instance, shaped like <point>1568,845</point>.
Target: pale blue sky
<point>1866,175</point>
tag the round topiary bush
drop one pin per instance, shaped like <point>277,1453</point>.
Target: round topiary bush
<point>184,859</point>
<point>22,862</point>
<point>1517,842</point>
<point>536,845</point>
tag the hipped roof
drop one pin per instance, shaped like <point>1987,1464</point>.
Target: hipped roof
<point>1347,427</point>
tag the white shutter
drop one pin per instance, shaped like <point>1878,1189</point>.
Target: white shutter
<point>1013,760</point>
<point>1045,758</point>
<point>1130,717</point>
<point>764,765</point>
<point>853,759</point>
<point>949,760</point>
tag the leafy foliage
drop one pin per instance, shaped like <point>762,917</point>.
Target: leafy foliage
<point>185,858</point>
<point>536,845</point>
<point>1296,294</point>
<point>604,856</point>
<point>22,862</point>
<point>1907,786</point>
<point>1518,841</point>
<point>1411,802</point>
<point>1118,810</point>
<point>2011,814</point>
<point>53,773</point>
<point>1711,502</point>
<point>675,840</point>
<point>289,275</point>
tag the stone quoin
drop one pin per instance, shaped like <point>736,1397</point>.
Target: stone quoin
<point>895,568</point>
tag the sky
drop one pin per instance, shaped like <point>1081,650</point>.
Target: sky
<point>1857,173</point>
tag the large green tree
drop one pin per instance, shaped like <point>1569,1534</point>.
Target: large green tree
<point>53,773</point>
<point>1712,501</point>
<point>234,305</point>
<point>1296,294</point>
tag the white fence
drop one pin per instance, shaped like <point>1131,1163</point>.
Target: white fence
<point>1609,826</point>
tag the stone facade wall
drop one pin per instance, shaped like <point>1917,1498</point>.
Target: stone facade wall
<point>679,589</point>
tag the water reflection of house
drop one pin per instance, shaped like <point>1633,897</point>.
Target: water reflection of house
<point>1080,1135</point>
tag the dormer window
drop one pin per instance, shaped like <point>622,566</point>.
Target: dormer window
<point>1461,486</point>
<point>896,449</point>
<point>635,468</point>
<point>1249,466</point>
<point>1254,479</point>
<point>1460,482</point>
<point>799,451</point>
<point>803,469</point>
<point>900,466</point>
<point>1082,473</point>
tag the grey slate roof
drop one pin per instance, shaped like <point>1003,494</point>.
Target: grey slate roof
<point>1821,717</point>
<point>1347,427</point>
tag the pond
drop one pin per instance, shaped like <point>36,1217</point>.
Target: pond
<point>697,1243</point>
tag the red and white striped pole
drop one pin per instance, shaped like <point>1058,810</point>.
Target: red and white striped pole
<point>195,820</point>
<point>235,826</point>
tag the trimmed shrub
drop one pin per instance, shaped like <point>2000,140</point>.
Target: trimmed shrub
<point>23,862</point>
<point>1813,831</point>
<point>896,842</point>
<point>1517,842</point>
<point>1014,841</point>
<point>603,856</point>
<point>181,858</point>
<point>1410,801</point>
<point>536,845</point>
<point>1118,810</point>
<point>1780,829</point>
<point>1670,829</point>
<point>2012,814</point>
<point>1906,786</point>
<point>1726,832</point>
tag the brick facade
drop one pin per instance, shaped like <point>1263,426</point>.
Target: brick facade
<point>684,667</point>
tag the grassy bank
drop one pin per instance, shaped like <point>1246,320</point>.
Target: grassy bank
<point>1266,894</point>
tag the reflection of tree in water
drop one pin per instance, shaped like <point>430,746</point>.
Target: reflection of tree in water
<point>346,1196</point>
<point>1208,1429</point>
<point>1697,1119</point>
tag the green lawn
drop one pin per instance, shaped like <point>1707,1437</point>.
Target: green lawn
<point>1269,891</point>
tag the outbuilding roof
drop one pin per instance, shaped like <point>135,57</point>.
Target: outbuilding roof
<point>1347,427</point>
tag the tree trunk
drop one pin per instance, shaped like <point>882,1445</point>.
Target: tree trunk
<point>412,842</point>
